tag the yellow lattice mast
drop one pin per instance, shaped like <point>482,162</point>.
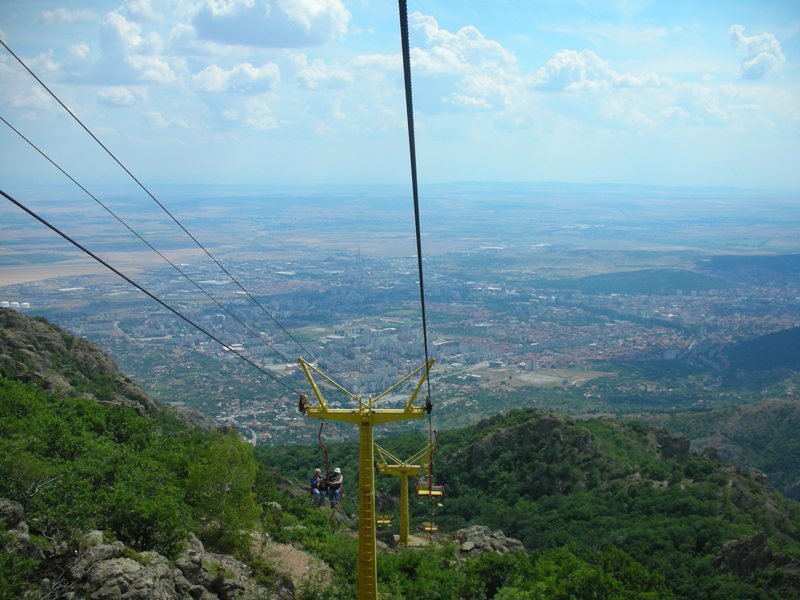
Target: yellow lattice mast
<point>418,464</point>
<point>365,416</point>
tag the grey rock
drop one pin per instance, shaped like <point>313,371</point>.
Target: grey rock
<point>479,539</point>
<point>127,579</point>
<point>11,512</point>
<point>745,555</point>
<point>92,551</point>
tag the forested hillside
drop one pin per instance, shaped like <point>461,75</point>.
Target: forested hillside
<point>101,497</point>
<point>762,435</point>
<point>591,485</point>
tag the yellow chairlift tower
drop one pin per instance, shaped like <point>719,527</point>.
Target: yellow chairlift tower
<point>403,469</point>
<point>365,416</point>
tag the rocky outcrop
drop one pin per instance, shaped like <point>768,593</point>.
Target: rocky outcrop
<point>101,571</point>
<point>671,447</point>
<point>746,556</point>
<point>104,570</point>
<point>108,570</point>
<point>19,541</point>
<point>479,539</point>
<point>35,351</point>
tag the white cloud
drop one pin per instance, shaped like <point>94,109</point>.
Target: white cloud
<point>141,10</point>
<point>124,45</point>
<point>120,37</point>
<point>258,115</point>
<point>151,68</point>
<point>272,23</point>
<point>162,122</point>
<point>32,97</point>
<point>462,52</point>
<point>467,102</point>
<point>115,96</point>
<point>241,78</point>
<point>762,53</point>
<point>570,70</point>
<point>392,63</point>
<point>44,65</point>
<point>462,70</point>
<point>64,15</point>
<point>78,51</point>
<point>211,79</point>
<point>318,75</point>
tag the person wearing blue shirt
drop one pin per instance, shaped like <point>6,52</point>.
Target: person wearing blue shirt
<point>317,488</point>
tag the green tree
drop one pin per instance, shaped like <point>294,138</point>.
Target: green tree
<point>220,489</point>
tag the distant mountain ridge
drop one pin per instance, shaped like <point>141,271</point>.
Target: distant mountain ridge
<point>779,263</point>
<point>650,281</point>
<point>778,350</point>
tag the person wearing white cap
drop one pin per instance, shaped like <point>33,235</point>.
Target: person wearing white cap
<point>335,480</point>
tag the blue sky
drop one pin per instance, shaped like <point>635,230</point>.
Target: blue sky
<point>701,93</point>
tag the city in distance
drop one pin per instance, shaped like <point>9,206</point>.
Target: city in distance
<point>587,299</point>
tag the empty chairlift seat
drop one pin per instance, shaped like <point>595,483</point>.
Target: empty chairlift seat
<point>423,488</point>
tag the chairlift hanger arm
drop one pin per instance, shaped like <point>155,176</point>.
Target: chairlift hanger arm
<point>411,466</point>
<point>307,368</point>
<point>360,416</point>
<point>383,454</point>
<point>426,366</point>
<point>425,453</point>
<point>364,410</point>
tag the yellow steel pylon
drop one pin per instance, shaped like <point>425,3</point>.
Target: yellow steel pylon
<point>403,469</point>
<point>365,416</point>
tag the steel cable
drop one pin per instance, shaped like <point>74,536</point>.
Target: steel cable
<point>149,193</point>
<point>78,245</point>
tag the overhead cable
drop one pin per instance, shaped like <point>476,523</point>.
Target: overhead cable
<point>414,187</point>
<point>78,245</point>
<point>149,193</point>
<point>153,248</point>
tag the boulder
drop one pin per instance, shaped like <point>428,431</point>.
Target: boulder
<point>745,555</point>
<point>479,539</point>
<point>93,550</point>
<point>110,571</point>
<point>674,448</point>
<point>11,513</point>
<point>149,577</point>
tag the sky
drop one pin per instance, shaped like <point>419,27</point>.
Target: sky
<point>310,92</point>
